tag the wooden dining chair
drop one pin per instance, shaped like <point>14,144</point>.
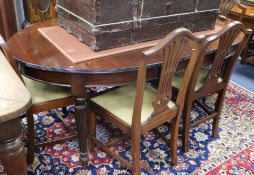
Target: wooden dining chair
<point>139,108</point>
<point>212,78</point>
<point>227,5</point>
<point>45,97</point>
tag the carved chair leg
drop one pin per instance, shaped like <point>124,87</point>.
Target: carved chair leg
<point>91,130</point>
<point>218,108</point>
<point>186,126</point>
<point>173,141</point>
<point>135,153</point>
<point>31,143</point>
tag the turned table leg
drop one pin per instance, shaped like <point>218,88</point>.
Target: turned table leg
<point>11,148</point>
<point>81,97</point>
<point>81,123</point>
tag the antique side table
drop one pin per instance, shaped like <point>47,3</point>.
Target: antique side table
<point>248,21</point>
<point>14,101</point>
<point>41,61</point>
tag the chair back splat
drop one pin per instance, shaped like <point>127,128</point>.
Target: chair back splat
<point>171,50</point>
<point>227,37</point>
<point>225,56</point>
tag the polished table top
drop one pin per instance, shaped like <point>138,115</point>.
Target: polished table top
<point>31,48</point>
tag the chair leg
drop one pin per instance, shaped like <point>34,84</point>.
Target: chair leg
<point>174,141</point>
<point>186,126</point>
<point>31,143</point>
<point>135,153</point>
<point>65,111</point>
<point>91,130</point>
<point>218,108</point>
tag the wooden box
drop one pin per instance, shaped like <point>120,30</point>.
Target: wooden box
<point>104,24</point>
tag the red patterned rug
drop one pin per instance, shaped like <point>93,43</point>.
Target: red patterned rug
<point>231,153</point>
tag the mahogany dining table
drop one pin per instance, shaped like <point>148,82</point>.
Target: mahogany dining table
<point>38,59</point>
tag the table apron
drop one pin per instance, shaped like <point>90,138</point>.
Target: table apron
<point>103,79</point>
<point>99,79</point>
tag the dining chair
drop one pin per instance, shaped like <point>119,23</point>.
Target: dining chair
<point>138,108</point>
<point>45,97</point>
<point>227,5</point>
<point>212,78</point>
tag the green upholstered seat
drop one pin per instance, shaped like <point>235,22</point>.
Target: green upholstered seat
<point>42,92</point>
<point>201,79</point>
<point>120,102</point>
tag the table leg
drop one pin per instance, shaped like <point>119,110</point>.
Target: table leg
<point>81,111</point>
<point>11,148</point>
<point>81,123</point>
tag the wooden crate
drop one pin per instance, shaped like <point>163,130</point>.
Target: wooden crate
<point>104,24</point>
